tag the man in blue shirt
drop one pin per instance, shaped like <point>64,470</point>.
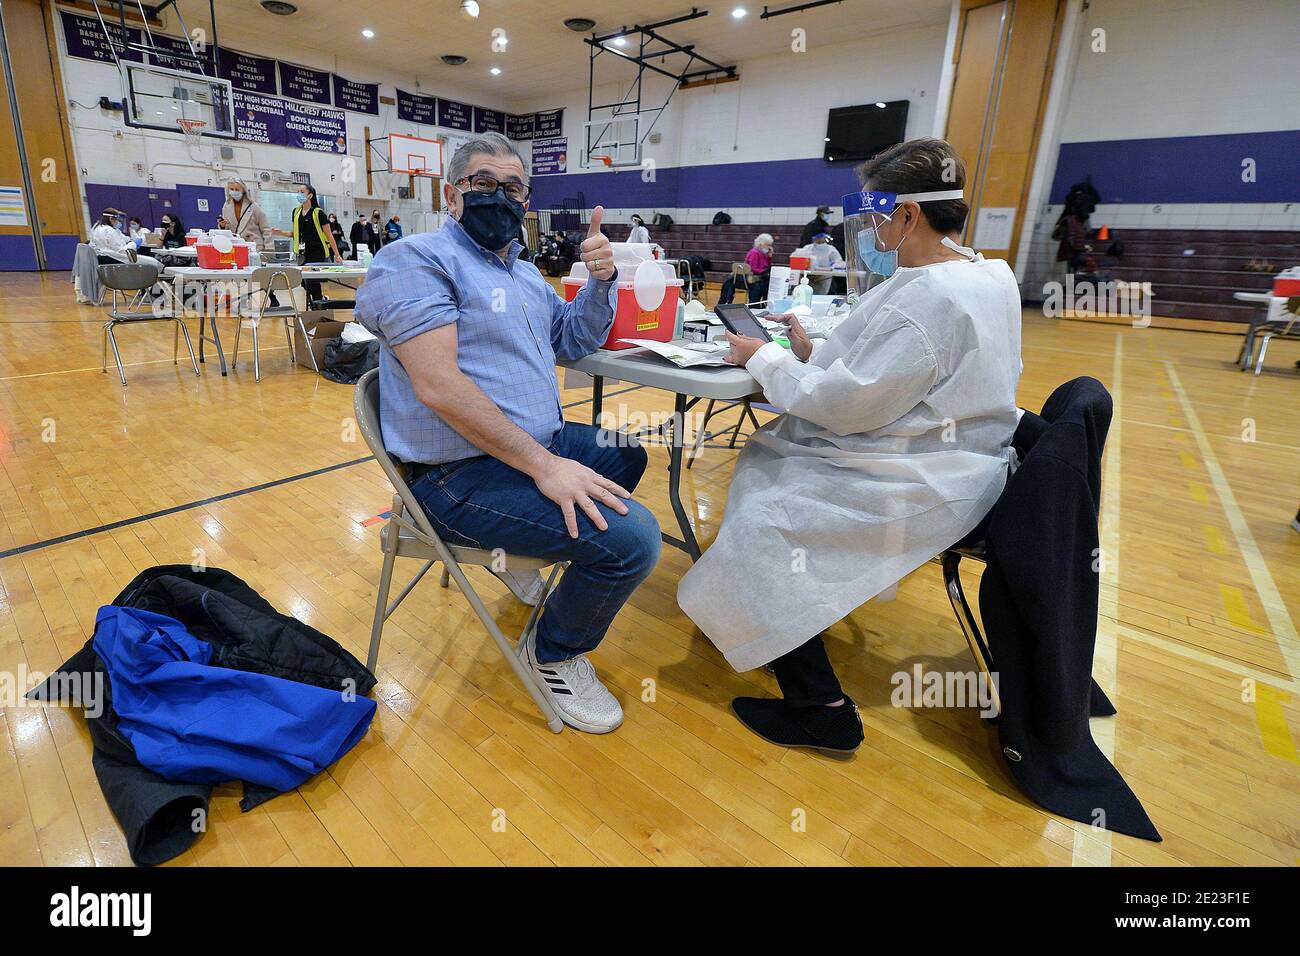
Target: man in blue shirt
<point>469,334</point>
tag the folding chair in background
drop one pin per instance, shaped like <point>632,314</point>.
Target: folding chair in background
<point>265,280</point>
<point>133,280</point>
<point>409,534</point>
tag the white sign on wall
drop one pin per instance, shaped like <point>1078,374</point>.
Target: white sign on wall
<point>993,227</point>
<point>13,209</point>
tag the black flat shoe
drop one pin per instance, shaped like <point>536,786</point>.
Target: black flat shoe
<point>832,729</point>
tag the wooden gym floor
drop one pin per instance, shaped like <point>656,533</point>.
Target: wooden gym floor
<point>1197,644</point>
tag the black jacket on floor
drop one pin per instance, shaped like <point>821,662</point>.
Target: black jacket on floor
<point>162,818</point>
<point>1038,598</point>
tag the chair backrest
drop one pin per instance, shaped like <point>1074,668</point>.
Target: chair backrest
<point>130,276</point>
<point>741,269</point>
<point>365,403</point>
<point>286,278</point>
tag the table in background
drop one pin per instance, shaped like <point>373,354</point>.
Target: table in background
<point>182,274</point>
<point>1265,303</point>
<point>688,385</point>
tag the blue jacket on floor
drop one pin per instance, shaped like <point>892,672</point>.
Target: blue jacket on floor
<point>192,721</point>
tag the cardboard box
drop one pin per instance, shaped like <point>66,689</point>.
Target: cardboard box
<point>322,327</point>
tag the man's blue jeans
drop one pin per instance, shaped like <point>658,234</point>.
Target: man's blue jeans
<point>483,503</point>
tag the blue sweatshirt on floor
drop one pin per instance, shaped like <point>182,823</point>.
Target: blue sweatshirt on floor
<point>191,721</point>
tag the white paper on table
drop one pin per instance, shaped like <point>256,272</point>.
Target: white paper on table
<point>685,354</point>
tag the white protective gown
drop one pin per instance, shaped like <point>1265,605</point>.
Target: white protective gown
<point>895,444</point>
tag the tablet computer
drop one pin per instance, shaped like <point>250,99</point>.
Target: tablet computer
<point>740,321</point>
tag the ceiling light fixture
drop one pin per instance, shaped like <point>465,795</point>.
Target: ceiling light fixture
<point>495,71</point>
<point>469,8</point>
<point>739,13</point>
<point>279,7</point>
<point>368,33</point>
<point>620,41</point>
<point>454,59</point>
<point>580,24</point>
<point>880,106</point>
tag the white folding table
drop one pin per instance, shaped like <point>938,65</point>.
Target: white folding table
<point>181,275</point>
<point>688,385</point>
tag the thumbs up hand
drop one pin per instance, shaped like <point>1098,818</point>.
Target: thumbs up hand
<point>595,249</point>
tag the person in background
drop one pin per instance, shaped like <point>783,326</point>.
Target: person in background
<point>312,239</point>
<point>759,260</point>
<point>137,231</point>
<point>639,232</point>
<point>359,235</point>
<point>824,256</point>
<point>469,400</point>
<point>111,245</point>
<point>246,219</point>
<point>895,443</point>
<point>393,229</point>
<point>815,225</point>
<point>173,231</point>
<point>1071,227</point>
<point>377,226</point>
<point>839,284</point>
<point>337,229</point>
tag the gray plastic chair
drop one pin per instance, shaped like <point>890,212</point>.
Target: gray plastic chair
<point>409,534</point>
<point>269,279</point>
<point>133,280</point>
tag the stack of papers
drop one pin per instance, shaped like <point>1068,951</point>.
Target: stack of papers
<point>685,354</point>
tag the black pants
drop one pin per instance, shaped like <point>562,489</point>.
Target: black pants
<point>806,676</point>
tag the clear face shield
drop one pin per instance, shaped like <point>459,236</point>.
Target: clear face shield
<point>868,261</point>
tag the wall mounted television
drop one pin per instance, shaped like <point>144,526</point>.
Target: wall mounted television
<point>856,133</point>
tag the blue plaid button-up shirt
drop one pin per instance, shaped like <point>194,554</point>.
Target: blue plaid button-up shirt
<point>510,328</point>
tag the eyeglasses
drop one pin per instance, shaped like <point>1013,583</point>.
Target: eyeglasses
<point>482,183</point>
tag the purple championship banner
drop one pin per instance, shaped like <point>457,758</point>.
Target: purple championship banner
<point>550,156</point>
<point>521,127</point>
<point>85,39</point>
<point>357,97</point>
<point>549,123</point>
<point>315,127</point>
<point>489,121</point>
<point>453,115</point>
<point>259,119</point>
<point>306,84</point>
<point>252,74</point>
<point>175,54</point>
<point>415,108</point>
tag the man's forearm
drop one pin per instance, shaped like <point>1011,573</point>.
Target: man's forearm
<point>478,419</point>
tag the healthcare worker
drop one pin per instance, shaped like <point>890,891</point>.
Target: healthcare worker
<point>638,232</point>
<point>824,256</point>
<point>894,444</point>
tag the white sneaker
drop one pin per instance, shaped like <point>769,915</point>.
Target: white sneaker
<point>526,586</point>
<point>577,693</point>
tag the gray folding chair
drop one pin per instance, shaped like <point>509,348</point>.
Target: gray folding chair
<point>133,280</point>
<point>409,534</point>
<point>267,280</point>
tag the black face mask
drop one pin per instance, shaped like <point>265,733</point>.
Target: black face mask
<point>491,219</point>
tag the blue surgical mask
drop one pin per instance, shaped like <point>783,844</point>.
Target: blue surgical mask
<point>881,263</point>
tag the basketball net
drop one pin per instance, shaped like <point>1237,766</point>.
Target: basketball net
<point>193,132</point>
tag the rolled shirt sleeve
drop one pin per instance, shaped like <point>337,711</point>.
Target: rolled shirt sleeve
<point>580,327</point>
<point>405,295</point>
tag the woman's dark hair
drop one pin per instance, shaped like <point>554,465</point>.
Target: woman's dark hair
<point>921,166</point>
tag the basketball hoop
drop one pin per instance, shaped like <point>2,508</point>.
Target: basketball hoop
<point>607,160</point>
<point>193,132</point>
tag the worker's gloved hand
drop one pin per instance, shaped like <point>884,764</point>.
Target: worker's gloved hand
<point>596,252</point>
<point>800,344</point>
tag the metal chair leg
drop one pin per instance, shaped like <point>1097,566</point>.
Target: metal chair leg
<point>117,356</point>
<point>176,346</point>
<point>103,363</point>
<point>1263,350</point>
<point>966,621</point>
<point>306,341</point>
<point>257,359</point>
<point>446,577</point>
<point>699,437</point>
<point>381,605</point>
<point>234,358</point>
<point>189,347</point>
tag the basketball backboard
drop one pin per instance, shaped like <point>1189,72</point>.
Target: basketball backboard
<point>156,97</point>
<point>613,142</point>
<point>414,155</point>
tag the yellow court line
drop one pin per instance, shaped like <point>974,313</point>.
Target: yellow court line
<point>1213,539</point>
<point>1279,618</point>
<point>1092,845</point>
<point>1273,729</point>
<point>1234,602</point>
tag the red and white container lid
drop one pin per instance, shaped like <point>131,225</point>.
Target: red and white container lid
<point>1287,282</point>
